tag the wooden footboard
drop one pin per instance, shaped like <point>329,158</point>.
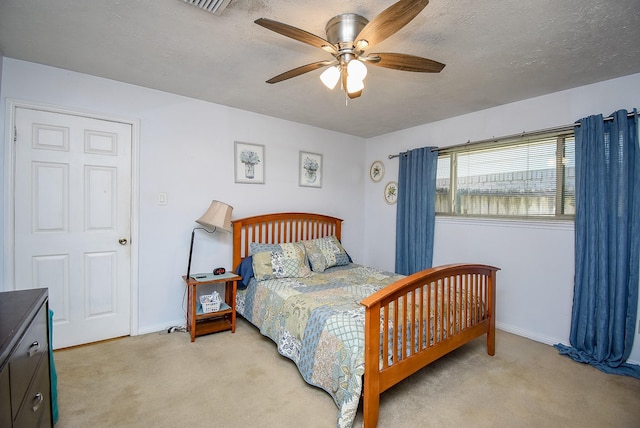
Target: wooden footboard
<point>423,317</point>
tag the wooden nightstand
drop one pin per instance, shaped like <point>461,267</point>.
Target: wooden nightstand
<point>198,322</point>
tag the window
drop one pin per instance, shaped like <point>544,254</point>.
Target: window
<point>532,177</point>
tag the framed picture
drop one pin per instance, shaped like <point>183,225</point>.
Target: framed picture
<point>391,193</point>
<point>376,171</point>
<point>249,163</point>
<point>310,172</point>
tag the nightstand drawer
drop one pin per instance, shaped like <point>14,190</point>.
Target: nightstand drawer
<point>24,361</point>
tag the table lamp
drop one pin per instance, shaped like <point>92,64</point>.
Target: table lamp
<point>218,216</point>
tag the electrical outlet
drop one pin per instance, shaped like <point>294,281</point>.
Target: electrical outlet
<point>162,199</point>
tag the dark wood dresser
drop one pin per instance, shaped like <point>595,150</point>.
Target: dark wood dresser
<point>25,378</point>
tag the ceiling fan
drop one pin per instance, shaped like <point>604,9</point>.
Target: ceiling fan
<point>348,36</point>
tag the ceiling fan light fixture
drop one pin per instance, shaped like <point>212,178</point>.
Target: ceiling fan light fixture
<point>354,85</point>
<point>357,69</point>
<point>330,77</point>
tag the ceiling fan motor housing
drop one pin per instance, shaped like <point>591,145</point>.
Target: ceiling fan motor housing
<point>342,30</point>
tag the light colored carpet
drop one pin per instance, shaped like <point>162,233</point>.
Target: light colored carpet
<point>240,380</point>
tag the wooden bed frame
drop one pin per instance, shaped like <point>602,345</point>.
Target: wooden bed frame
<point>455,324</point>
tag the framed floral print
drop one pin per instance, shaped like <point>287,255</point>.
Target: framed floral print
<point>376,171</point>
<point>249,163</point>
<point>391,193</point>
<point>310,172</point>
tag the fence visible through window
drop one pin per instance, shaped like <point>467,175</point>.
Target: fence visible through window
<point>519,178</point>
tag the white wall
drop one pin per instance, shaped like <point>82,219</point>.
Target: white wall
<point>535,285</point>
<point>186,150</point>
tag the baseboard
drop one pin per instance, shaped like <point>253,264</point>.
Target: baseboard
<point>500,326</point>
<point>528,334</point>
<point>538,338</point>
<point>160,327</point>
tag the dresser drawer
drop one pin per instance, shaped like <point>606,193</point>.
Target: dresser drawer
<point>24,361</point>
<point>5,403</point>
<point>36,407</point>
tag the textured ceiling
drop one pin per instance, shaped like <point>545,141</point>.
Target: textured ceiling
<point>495,51</point>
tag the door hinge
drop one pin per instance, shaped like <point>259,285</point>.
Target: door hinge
<point>15,134</point>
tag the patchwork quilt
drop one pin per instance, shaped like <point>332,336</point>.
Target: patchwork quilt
<point>318,322</point>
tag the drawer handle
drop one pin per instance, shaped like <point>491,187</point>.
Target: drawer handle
<point>37,402</point>
<point>34,348</point>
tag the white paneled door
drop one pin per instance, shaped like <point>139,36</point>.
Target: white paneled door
<point>72,221</point>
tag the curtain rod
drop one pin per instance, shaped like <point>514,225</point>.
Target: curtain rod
<point>520,135</point>
<point>496,139</point>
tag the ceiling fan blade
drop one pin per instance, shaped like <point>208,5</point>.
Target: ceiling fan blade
<point>405,62</point>
<point>296,33</point>
<point>389,21</point>
<point>300,70</point>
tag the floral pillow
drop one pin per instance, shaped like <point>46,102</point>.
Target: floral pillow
<point>324,253</point>
<point>279,261</point>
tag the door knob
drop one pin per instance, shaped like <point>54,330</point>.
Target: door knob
<point>122,241</point>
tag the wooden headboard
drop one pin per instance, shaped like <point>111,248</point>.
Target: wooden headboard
<point>280,228</point>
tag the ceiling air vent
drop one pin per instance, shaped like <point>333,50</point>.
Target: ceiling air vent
<point>214,6</point>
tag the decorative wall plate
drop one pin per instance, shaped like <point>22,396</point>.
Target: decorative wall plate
<point>376,172</point>
<point>391,192</point>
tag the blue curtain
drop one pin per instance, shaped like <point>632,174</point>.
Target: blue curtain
<point>416,211</point>
<point>607,243</point>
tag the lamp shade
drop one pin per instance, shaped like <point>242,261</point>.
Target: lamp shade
<point>218,216</point>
